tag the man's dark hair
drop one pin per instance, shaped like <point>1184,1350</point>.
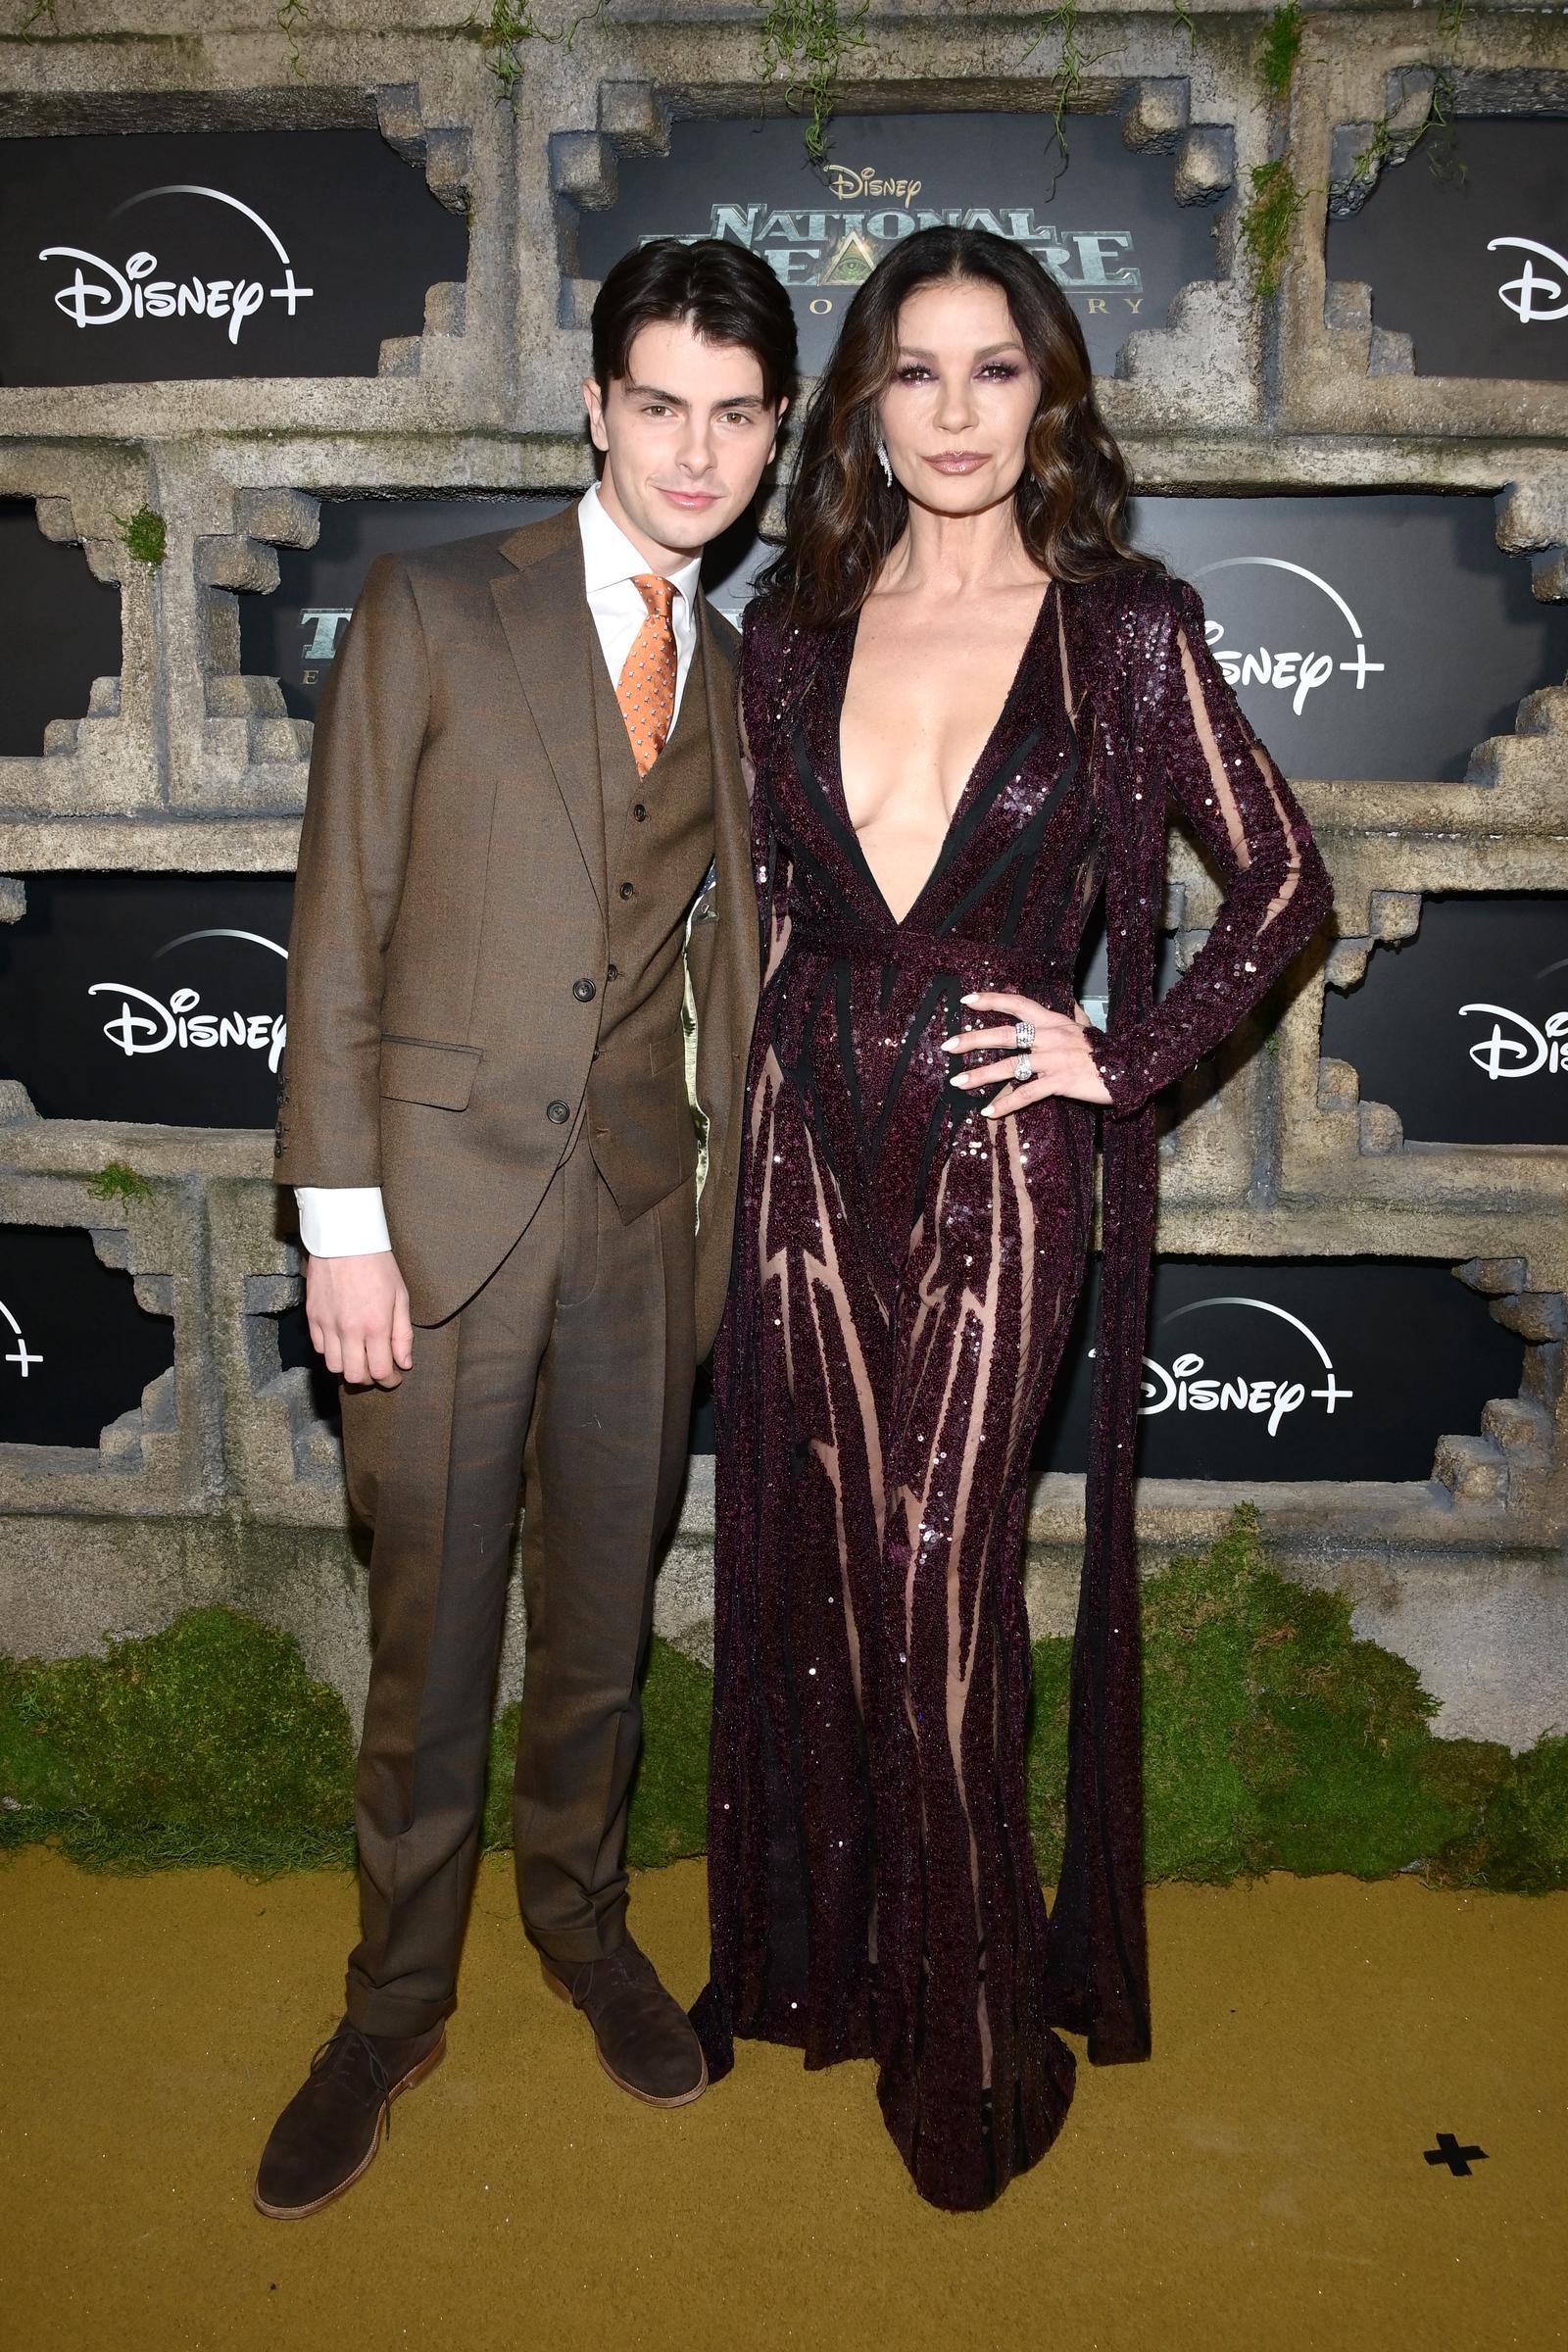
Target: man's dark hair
<point>723,292</point>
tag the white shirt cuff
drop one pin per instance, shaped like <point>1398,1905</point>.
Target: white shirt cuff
<point>342,1220</point>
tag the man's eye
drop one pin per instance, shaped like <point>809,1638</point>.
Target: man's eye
<point>740,417</point>
<point>656,407</point>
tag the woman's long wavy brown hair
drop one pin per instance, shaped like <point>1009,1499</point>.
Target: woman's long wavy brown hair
<point>841,516</point>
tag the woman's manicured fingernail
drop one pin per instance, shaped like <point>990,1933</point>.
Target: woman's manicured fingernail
<point>952,1044</point>
<point>969,999</point>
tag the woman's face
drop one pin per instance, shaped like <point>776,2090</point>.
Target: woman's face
<point>956,413</point>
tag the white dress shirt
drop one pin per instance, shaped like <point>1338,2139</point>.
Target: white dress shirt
<point>348,1220</point>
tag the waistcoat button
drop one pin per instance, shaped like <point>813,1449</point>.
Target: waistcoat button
<point>613,972</point>
<point>640,813</point>
<point>584,990</point>
<point>628,890</point>
<point>558,1113</point>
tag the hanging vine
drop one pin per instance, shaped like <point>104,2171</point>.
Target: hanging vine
<point>1387,145</point>
<point>41,12</point>
<point>292,17</point>
<point>504,33</point>
<point>1076,61</point>
<point>803,45</point>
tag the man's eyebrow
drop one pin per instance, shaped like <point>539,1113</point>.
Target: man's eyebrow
<point>673,400</point>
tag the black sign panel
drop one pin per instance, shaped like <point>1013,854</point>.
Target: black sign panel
<point>1470,260</point>
<point>129,260</point>
<point>1463,1029</point>
<point>76,1349</point>
<point>1315,1369</point>
<point>1107,225</point>
<point>1377,635</point>
<point>148,997</point>
<point>59,630</point>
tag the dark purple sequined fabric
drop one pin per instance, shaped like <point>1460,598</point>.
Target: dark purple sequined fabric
<point>906,1274</point>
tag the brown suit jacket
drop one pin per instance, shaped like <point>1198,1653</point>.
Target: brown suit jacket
<point>451,890</point>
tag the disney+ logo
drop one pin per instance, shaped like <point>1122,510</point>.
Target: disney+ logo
<point>133,290</point>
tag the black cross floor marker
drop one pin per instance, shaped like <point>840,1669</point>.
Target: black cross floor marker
<point>1448,2151</point>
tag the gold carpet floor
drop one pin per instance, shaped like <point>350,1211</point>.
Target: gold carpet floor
<point>1260,2182</point>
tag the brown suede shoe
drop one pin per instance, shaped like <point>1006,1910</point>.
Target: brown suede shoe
<point>329,2133</point>
<point>642,2034</point>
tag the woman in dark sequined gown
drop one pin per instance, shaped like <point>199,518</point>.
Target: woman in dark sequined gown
<point>915,1220</point>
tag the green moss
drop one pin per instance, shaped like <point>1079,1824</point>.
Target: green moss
<point>1521,1841</point>
<point>117,1179</point>
<point>1273,1739</point>
<point>1279,47</point>
<point>1268,219</point>
<point>143,535</point>
<point>207,1742</point>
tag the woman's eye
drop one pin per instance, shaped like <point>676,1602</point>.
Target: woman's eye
<point>913,372</point>
<point>1002,369</point>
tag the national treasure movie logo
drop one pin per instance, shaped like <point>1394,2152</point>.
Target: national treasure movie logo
<point>837,248</point>
<point>1104,221</point>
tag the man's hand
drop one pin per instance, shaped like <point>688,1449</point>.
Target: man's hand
<point>358,1311</point>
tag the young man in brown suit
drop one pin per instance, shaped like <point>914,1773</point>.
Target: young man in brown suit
<point>527,819</point>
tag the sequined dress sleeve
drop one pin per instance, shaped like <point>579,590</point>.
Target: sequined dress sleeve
<point>1193,744</point>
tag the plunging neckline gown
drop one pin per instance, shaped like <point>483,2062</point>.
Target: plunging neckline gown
<point>852,637</point>
<point>905,1275</point>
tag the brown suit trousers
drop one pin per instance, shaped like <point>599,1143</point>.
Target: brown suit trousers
<point>571,1370</point>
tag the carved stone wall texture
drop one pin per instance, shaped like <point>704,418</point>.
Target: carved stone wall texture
<point>226,1485</point>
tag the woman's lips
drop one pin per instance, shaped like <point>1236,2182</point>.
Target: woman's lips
<point>956,461</point>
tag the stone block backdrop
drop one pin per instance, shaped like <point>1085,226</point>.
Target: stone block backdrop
<point>179,549</point>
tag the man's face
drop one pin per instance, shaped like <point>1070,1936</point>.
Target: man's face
<point>686,434</point>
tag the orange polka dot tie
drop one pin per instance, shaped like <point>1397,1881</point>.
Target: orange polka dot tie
<point>646,692</point>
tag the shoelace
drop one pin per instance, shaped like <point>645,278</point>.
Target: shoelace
<point>346,2036</point>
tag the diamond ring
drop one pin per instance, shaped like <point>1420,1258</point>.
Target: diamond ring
<point>1023,1034</point>
<point>1022,1070</point>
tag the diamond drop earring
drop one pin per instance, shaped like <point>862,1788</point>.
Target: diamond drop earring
<point>882,461</point>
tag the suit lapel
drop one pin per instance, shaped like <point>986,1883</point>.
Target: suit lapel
<point>543,608</point>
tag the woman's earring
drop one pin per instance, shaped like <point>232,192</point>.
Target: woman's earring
<point>882,461</point>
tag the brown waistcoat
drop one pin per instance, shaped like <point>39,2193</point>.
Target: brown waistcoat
<point>659,844</point>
